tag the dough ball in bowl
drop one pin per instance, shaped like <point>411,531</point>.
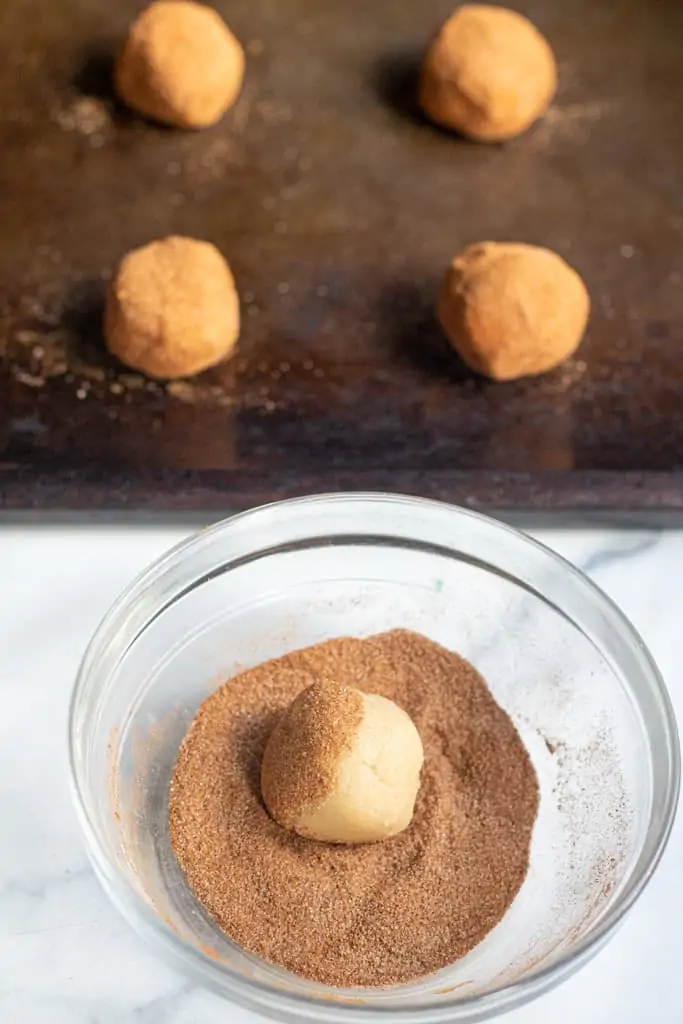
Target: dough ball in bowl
<point>172,309</point>
<point>512,310</point>
<point>180,64</point>
<point>488,73</point>
<point>342,766</point>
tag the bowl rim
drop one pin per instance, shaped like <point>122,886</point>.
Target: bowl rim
<point>277,1001</point>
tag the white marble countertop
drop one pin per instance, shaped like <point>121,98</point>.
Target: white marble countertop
<point>67,957</point>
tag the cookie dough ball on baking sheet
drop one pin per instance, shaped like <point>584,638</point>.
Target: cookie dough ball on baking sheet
<point>172,309</point>
<point>180,64</point>
<point>512,310</point>
<point>488,73</point>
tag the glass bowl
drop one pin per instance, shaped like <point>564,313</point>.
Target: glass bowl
<point>557,654</point>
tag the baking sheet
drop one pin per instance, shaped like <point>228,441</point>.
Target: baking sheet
<point>338,208</point>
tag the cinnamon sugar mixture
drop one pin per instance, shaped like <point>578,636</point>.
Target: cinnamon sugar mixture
<point>358,915</point>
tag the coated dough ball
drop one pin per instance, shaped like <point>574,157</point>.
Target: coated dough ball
<point>180,64</point>
<point>512,310</point>
<point>172,309</point>
<point>342,766</point>
<point>488,73</point>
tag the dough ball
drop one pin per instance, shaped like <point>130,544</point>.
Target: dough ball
<point>172,309</point>
<point>512,310</point>
<point>180,64</point>
<point>342,766</point>
<point>488,73</point>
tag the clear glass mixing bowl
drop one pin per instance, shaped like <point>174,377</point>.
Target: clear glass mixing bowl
<point>557,654</point>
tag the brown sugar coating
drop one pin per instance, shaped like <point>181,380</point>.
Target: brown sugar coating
<point>172,309</point>
<point>373,914</point>
<point>488,73</point>
<point>180,64</point>
<point>300,761</point>
<point>512,310</point>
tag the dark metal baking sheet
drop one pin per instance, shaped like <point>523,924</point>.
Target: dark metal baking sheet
<point>338,208</point>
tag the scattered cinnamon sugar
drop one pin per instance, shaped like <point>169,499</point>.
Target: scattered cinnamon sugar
<point>85,115</point>
<point>365,915</point>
